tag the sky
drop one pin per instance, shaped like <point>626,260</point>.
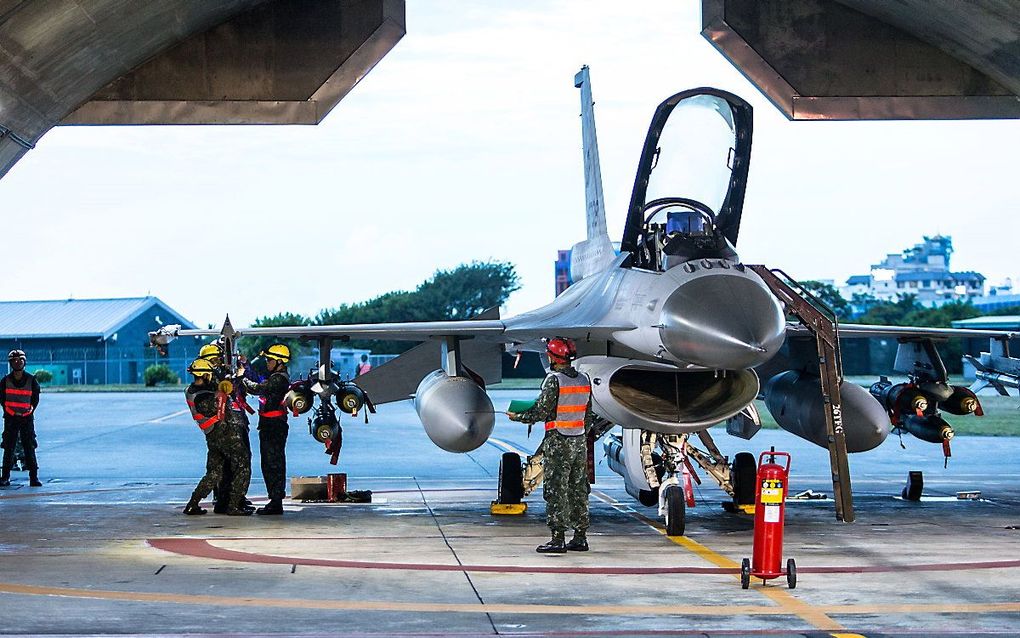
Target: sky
<point>464,144</point>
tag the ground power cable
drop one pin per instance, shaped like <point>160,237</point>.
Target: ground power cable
<point>439,527</point>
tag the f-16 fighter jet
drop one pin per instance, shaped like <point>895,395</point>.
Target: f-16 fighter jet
<point>674,331</point>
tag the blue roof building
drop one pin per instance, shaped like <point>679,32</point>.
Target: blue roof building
<point>92,341</point>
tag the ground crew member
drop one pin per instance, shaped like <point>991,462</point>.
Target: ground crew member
<point>272,424</point>
<point>213,353</point>
<point>19,394</point>
<point>565,406</point>
<point>223,440</point>
<point>363,367</point>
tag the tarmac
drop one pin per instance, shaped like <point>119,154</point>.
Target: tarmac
<point>103,548</point>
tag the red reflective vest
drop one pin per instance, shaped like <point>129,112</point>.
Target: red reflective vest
<point>272,412</point>
<point>575,393</point>
<point>205,423</point>
<point>17,401</point>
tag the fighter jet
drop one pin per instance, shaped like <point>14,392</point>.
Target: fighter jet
<point>676,333</point>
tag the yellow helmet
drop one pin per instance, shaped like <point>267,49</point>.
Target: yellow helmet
<point>277,351</point>
<point>201,368</point>
<point>211,351</point>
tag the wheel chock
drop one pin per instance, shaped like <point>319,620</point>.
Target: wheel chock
<point>508,509</point>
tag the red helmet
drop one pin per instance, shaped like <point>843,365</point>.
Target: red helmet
<point>561,350</point>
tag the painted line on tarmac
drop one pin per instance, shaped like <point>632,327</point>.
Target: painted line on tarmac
<point>169,416</point>
<point>475,608</point>
<point>506,446</point>
<point>793,605</point>
<point>199,547</point>
<point>4,497</point>
<point>202,548</point>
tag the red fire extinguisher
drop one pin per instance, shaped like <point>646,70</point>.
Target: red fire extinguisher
<point>769,517</point>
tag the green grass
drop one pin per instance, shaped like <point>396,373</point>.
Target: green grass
<point>1001,418</point>
<point>113,388</point>
<point>517,384</point>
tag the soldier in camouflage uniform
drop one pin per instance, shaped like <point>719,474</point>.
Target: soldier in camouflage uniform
<point>273,424</point>
<point>565,406</point>
<point>223,438</point>
<point>236,414</point>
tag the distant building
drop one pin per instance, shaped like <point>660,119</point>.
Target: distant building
<point>975,346</point>
<point>562,271</point>
<point>922,271</point>
<point>93,341</point>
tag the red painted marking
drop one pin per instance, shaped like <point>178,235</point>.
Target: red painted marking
<point>201,548</point>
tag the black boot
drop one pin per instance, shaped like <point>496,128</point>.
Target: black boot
<point>273,508</point>
<point>579,543</point>
<point>554,546</point>
<point>33,478</point>
<point>5,480</point>
<point>192,508</point>
<point>243,511</point>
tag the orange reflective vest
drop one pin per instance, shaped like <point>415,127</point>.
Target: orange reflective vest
<point>575,393</point>
<point>205,423</point>
<point>17,401</point>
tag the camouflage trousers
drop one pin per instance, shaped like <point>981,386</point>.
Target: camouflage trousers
<point>224,488</point>
<point>226,451</point>
<point>565,485</point>
<point>273,450</point>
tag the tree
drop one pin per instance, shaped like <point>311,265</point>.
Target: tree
<point>252,346</point>
<point>461,293</point>
<point>42,375</point>
<point>828,295</point>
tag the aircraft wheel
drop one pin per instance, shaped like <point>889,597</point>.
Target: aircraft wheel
<point>791,574</point>
<point>511,479</point>
<point>676,512</point>
<point>742,475</point>
<point>745,573</point>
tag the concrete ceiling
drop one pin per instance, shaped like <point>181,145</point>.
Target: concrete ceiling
<point>875,59</point>
<point>182,61</point>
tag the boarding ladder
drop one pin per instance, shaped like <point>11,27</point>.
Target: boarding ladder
<point>808,310</point>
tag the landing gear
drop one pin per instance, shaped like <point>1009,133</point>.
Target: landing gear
<point>676,510</point>
<point>745,573</point>
<point>511,479</point>
<point>742,476</point>
<point>791,574</point>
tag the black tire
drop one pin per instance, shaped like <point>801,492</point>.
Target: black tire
<point>511,479</point>
<point>745,573</point>
<point>676,511</point>
<point>791,574</point>
<point>743,474</point>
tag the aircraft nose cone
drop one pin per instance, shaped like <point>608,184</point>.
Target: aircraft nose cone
<point>727,320</point>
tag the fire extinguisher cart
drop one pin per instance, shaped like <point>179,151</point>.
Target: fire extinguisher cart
<point>769,519</point>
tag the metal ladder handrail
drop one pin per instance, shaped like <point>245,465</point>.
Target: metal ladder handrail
<point>830,371</point>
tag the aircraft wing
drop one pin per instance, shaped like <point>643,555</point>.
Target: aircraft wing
<point>396,331</point>
<point>856,330</point>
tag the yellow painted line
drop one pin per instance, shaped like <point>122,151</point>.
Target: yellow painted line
<point>786,600</point>
<point>724,611</point>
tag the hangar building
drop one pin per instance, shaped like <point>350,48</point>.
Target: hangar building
<point>92,341</point>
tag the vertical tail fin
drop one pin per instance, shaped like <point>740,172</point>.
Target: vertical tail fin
<point>596,252</point>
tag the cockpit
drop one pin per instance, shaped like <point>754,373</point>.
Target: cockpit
<point>689,189</point>
<point>677,230</point>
